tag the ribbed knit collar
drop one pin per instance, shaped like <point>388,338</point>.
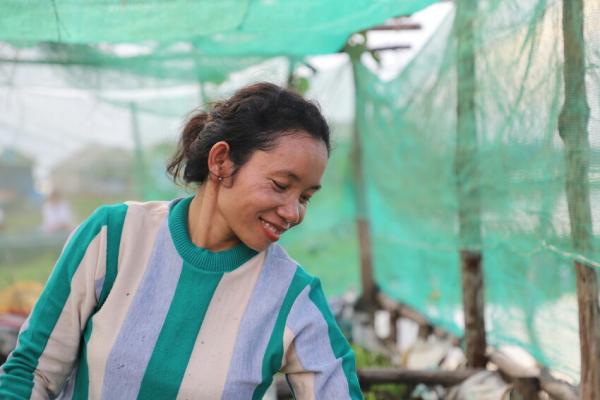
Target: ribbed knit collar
<point>204,259</point>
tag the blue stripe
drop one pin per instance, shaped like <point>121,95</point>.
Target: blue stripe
<point>98,284</point>
<point>133,348</point>
<point>245,369</point>
<point>314,350</point>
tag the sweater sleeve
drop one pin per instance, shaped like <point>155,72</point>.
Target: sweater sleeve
<point>318,362</point>
<point>49,341</point>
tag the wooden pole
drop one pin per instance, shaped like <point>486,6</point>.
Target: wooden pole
<point>374,376</point>
<point>572,127</point>
<point>367,300</point>
<point>467,180</point>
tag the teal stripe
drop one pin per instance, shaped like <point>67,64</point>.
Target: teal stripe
<point>82,384</point>
<point>115,222</point>
<point>339,344</point>
<point>175,343</point>
<point>115,219</point>
<point>18,370</point>
<point>274,353</point>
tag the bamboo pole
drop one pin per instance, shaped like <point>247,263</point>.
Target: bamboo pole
<point>467,180</point>
<point>367,300</point>
<point>572,127</point>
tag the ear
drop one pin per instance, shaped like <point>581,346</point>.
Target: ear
<point>219,160</point>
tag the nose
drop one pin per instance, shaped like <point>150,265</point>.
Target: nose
<point>292,212</point>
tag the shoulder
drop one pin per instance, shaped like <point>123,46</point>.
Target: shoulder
<point>147,208</point>
<point>141,214</point>
<point>277,254</point>
<point>302,284</point>
<point>115,216</point>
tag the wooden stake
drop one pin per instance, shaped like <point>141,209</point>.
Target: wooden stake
<point>367,300</point>
<point>467,179</point>
<point>572,127</point>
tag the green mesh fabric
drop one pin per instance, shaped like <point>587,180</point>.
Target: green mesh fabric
<point>407,127</point>
<point>408,132</point>
<point>228,27</point>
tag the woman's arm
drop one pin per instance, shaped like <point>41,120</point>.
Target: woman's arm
<point>319,362</point>
<point>49,341</point>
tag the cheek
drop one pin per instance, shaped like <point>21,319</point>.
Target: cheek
<point>253,201</point>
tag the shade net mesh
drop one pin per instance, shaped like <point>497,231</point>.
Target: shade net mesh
<point>110,75</point>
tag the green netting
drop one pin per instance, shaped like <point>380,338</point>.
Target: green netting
<point>408,131</point>
<point>219,27</point>
<point>80,93</point>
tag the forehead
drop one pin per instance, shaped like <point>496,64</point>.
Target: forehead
<point>301,154</point>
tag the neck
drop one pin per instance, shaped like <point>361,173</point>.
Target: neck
<point>207,227</point>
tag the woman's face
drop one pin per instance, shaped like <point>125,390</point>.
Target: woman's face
<point>269,194</point>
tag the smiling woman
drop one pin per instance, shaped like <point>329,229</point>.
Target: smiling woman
<point>193,298</point>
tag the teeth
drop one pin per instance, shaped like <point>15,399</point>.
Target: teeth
<point>270,227</point>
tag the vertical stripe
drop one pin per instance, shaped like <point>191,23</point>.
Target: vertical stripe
<point>180,330</point>
<point>115,216</point>
<point>299,378</point>
<point>98,284</point>
<point>61,351</point>
<point>339,344</point>
<point>114,222</point>
<point>245,369</point>
<point>272,360</point>
<point>288,337</point>
<point>314,349</point>
<point>19,377</point>
<point>81,386</point>
<point>134,254</point>
<point>209,362</point>
<point>141,328</point>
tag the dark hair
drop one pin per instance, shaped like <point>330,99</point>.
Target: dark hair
<point>252,119</point>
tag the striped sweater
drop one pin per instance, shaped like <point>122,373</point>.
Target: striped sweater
<point>133,309</point>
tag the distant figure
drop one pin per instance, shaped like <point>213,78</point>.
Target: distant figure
<point>57,215</point>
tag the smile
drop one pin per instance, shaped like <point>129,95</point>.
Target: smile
<point>273,228</point>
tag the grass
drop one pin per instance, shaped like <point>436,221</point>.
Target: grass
<point>34,269</point>
<point>368,359</point>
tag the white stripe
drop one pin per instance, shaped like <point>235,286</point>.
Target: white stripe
<point>141,222</point>
<point>209,363</point>
<point>60,353</point>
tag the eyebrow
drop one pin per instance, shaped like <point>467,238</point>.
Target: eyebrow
<point>296,178</point>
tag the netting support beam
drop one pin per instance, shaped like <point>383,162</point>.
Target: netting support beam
<point>367,301</point>
<point>466,169</point>
<point>573,129</point>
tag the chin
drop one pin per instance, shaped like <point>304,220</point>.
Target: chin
<point>259,248</point>
<point>257,245</point>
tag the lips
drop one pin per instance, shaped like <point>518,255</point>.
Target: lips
<point>273,231</point>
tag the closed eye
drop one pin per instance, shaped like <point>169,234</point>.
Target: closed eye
<point>280,187</point>
<point>304,200</point>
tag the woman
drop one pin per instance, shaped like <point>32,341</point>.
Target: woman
<point>193,299</point>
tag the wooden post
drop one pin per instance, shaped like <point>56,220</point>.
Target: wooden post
<point>367,300</point>
<point>467,180</point>
<point>572,127</point>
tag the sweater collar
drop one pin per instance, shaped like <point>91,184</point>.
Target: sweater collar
<point>204,259</point>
